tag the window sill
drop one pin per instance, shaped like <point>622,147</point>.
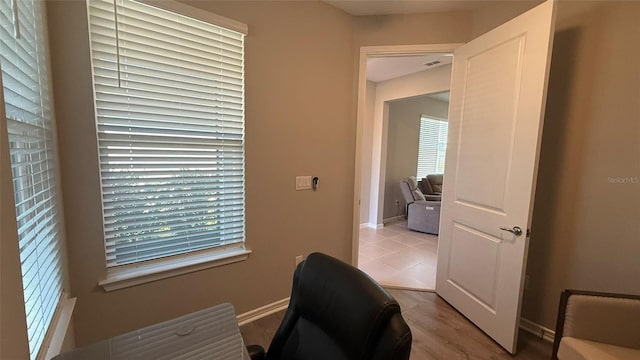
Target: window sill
<point>59,329</point>
<point>145,273</point>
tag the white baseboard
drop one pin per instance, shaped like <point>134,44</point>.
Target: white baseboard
<point>393,219</point>
<point>263,311</point>
<point>371,226</point>
<point>538,330</point>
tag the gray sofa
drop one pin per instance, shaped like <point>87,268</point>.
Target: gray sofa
<point>422,215</point>
<point>431,187</point>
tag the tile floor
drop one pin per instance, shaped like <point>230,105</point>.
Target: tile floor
<point>398,257</point>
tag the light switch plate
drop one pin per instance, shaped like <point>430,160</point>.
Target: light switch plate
<point>303,182</point>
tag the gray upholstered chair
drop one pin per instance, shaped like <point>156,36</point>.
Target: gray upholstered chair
<point>422,215</point>
<point>598,326</point>
<point>431,187</point>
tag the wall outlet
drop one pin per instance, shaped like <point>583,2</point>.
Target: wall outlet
<point>299,259</point>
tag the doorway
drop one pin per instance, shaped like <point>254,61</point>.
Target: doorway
<point>394,102</point>
<point>403,254</point>
<point>498,86</point>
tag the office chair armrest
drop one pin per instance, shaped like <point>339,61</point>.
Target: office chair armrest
<point>256,352</point>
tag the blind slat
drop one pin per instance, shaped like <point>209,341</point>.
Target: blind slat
<point>123,203</point>
<point>176,238</point>
<point>156,215</point>
<point>177,224</point>
<point>432,146</point>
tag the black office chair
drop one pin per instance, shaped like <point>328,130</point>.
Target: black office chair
<point>337,312</point>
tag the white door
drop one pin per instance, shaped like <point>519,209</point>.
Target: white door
<point>498,93</point>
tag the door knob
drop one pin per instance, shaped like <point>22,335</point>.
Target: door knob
<point>516,230</point>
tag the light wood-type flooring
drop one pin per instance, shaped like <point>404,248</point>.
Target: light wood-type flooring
<point>439,332</point>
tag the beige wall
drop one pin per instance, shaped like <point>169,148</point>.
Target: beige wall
<point>402,145</point>
<point>489,17</point>
<point>436,28</point>
<point>300,113</point>
<point>300,120</point>
<point>586,231</point>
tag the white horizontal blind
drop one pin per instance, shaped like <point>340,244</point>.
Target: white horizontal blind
<point>29,121</point>
<point>170,118</point>
<point>432,146</point>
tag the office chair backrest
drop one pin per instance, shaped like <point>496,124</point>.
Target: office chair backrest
<point>337,312</point>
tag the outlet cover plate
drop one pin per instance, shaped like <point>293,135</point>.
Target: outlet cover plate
<point>303,182</point>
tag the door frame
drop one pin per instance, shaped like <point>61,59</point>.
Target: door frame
<point>367,52</point>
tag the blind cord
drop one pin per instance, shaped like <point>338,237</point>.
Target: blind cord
<point>16,22</point>
<point>117,34</point>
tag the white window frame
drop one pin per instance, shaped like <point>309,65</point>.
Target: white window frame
<point>152,270</point>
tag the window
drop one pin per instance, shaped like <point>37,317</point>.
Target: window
<point>25,80</point>
<point>169,93</point>
<point>432,146</point>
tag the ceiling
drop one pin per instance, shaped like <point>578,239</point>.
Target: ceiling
<point>385,68</point>
<point>387,7</point>
<point>442,96</point>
